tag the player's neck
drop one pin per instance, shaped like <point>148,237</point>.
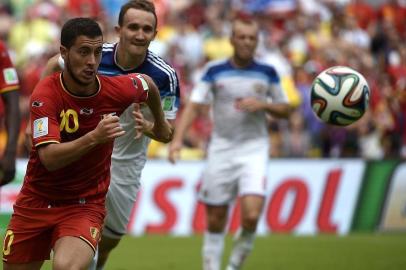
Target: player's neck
<point>240,63</point>
<point>76,88</point>
<point>127,61</point>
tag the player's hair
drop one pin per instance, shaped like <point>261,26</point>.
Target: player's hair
<point>243,17</point>
<point>145,5</point>
<point>79,27</point>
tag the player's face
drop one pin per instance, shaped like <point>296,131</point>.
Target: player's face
<point>83,58</point>
<point>137,31</point>
<point>244,41</point>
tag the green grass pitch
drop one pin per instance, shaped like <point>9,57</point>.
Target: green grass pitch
<point>274,252</point>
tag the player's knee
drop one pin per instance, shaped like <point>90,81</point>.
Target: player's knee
<point>63,263</point>
<point>216,224</point>
<point>250,221</point>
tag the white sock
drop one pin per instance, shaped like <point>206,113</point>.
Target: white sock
<point>243,244</point>
<point>212,252</point>
<point>93,264</point>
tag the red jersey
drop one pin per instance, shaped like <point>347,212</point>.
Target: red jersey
<point>58,116</point>
<point>8,74</point>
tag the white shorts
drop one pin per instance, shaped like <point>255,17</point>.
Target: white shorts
<point>124,186</point>
<point>234,172</point>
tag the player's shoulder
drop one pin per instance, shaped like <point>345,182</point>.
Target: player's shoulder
<point>48,85</point>
<point>266,69</point>
<point>119,80</point>
<point>4,56</point>
<point>125,82</point>
<point>261,65</point>
<point>2,46</point>
<point>108,53</point>
<point>217,66</point>
<point>51,79</point>
<point>218,63</point>
<point>157,64</point>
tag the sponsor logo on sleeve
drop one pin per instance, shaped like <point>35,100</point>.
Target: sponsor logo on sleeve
<point>260,89</point>
<point>10,76</point>
<point>40,127</point>
<point>168,103</point>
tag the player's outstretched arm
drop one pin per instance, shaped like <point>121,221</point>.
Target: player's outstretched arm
<point>186,119</point>
<point>13,128</point>
<point>252,104</point>
<point>281,110</point>
<point>161,129</point>
<point>56,156</point>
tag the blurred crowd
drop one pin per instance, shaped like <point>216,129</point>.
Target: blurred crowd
<point>299,37</point>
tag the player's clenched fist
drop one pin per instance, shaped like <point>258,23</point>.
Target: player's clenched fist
<point>108,129</point>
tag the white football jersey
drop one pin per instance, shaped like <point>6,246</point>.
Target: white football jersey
<point>222,85</point>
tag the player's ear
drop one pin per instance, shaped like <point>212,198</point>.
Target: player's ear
<point>64,51</point>
<point>117,28</point>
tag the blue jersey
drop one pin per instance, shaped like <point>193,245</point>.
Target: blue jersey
<point>164,76</point>
<point>222,85</point>
<point>154,66</point>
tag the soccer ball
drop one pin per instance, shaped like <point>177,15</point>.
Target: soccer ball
<point>339,96</point>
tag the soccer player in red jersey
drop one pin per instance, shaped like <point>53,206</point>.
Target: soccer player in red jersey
<point>74,118</point>
<point>9,85</point>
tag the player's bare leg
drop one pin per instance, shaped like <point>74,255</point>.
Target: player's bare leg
<point>72,253</point>
<point>23,266</point>
<point>251,208</point>
<point>213,242</point>
<point>106,245</point>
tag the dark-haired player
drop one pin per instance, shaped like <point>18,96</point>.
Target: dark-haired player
<point>74,121</point>
<point>137,27</point>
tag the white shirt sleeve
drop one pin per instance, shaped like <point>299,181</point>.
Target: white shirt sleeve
<point>278,94</point>
<point>202,93</point>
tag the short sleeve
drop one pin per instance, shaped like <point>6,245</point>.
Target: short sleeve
<point>202,93</point>
<point>44,118</point>
<point>8,74</point>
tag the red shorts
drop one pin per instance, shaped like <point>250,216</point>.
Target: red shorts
<point>36,225</point>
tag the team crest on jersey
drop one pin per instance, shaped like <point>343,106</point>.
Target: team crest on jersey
<point>86,111</point>
<point>40,127</point>
<point>37,104</point>
<point>94,233</point>
<point>10,75</point>
<point>259,89</point>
